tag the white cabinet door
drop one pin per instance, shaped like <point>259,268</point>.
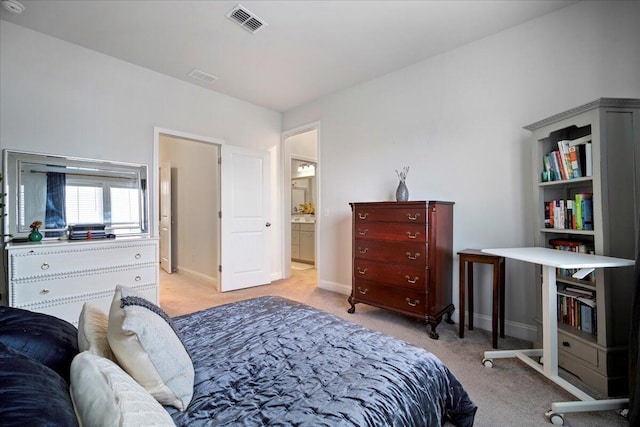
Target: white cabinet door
<point>307,245</point>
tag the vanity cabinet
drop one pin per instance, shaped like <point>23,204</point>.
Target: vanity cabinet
<point>303,245</point>
<point>58,277</point>
<point>403,258</point>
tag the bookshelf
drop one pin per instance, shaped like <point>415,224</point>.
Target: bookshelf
<point>587,203</point>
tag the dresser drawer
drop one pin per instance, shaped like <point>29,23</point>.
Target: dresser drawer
<point>49,289</point>
<point>69,308</point>
<point>33,264</point>
<point>393,274</point>
<point>411,215</point>
<point>579,349</point>
<point>401,299</point>
<point>393,231</point>
<point>413,254</point>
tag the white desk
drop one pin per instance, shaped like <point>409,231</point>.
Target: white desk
<point>550,259</point>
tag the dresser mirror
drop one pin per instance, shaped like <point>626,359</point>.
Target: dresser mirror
<point>62,191</point>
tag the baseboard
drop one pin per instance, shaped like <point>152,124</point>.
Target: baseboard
<point>195,275</point>
<point>511,329</point>
<point>334,287</point>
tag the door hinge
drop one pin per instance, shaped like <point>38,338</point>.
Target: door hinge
<point>219,160</point>
<point>220,214</point>
<point>220,268</point>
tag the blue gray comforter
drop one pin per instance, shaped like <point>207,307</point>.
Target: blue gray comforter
<point>272,361</point>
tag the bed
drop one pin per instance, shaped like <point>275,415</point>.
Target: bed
<point>273,361</point>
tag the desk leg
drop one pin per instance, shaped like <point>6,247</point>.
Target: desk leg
<point>549,321</point>
<point>461,304</point>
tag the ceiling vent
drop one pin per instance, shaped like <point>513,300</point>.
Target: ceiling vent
<point>246,19</point>
<point>201,76</point>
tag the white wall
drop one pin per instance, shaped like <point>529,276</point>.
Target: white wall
<point>456,120</point>
<point>56,97</point>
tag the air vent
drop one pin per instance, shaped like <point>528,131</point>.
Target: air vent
<point>201,76</point>
<point>246,19</point>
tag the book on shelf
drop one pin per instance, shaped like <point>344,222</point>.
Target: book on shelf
<point>577,308</point>
<point>572,159</point>
<point>574,155</point>
<point>563,148</point>
<point>571,214</point>
<point>584,202</point>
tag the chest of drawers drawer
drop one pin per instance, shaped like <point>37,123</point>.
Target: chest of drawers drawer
<point>393,274</point>
<point>31,264</point>
<point>413,254</point>
<point>405,214</point>
<point>401,299</point>
<point>396,232</point>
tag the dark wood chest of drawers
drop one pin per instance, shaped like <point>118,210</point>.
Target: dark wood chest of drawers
<point>403,258</point>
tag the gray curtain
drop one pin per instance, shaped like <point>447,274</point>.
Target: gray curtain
<point>634,340</point>
<point>55,214</point>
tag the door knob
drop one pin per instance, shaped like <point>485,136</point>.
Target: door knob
<point>268,224</point>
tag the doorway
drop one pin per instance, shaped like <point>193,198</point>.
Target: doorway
<point>189,237</point>
<point>301,197</point>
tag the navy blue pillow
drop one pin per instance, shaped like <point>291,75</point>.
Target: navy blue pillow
<point>47,339</point>
<point>32,394</point>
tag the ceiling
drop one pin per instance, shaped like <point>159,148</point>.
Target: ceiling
<point>308,49</point>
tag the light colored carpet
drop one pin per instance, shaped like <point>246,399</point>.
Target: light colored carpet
<point>509,394</point>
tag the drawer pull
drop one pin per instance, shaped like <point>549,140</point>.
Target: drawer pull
<point>138,256</point>
<point>45,291</point>
<point>138,278</point>
<point>566,344</point>
<point>413,303</point>
<point>44,266</point>
<point>363,251</point>
<point>413,236</point>
<point>363,271</point>
<point>413,257</point>
<point>362,233</point>
<point>363,215</point>
<point>414,217</point>
<point>363,291</point>
<point>414,280</point>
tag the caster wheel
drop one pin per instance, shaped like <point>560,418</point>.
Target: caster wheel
<point>488,363</point>
<point>556,419</point>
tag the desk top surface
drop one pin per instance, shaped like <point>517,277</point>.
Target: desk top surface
<point>559,259</point>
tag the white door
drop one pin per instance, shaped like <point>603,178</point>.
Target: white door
<point>246,243</point>
<point>165,218</point>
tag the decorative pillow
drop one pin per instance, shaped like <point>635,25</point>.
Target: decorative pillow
<point>105,395</point>
<point>147,347</point>
<point>47,339</point>
<point>92,331</point>
<point>32,394</point>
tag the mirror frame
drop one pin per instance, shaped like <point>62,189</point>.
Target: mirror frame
<point>12,179</point>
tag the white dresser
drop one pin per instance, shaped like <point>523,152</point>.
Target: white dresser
<point>58,277</point>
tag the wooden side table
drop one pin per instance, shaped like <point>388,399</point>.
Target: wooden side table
<point>467,258</point>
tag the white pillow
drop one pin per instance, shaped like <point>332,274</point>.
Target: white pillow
<point>92,331</point>
<point>149,350</point>
<point>104,395</point>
